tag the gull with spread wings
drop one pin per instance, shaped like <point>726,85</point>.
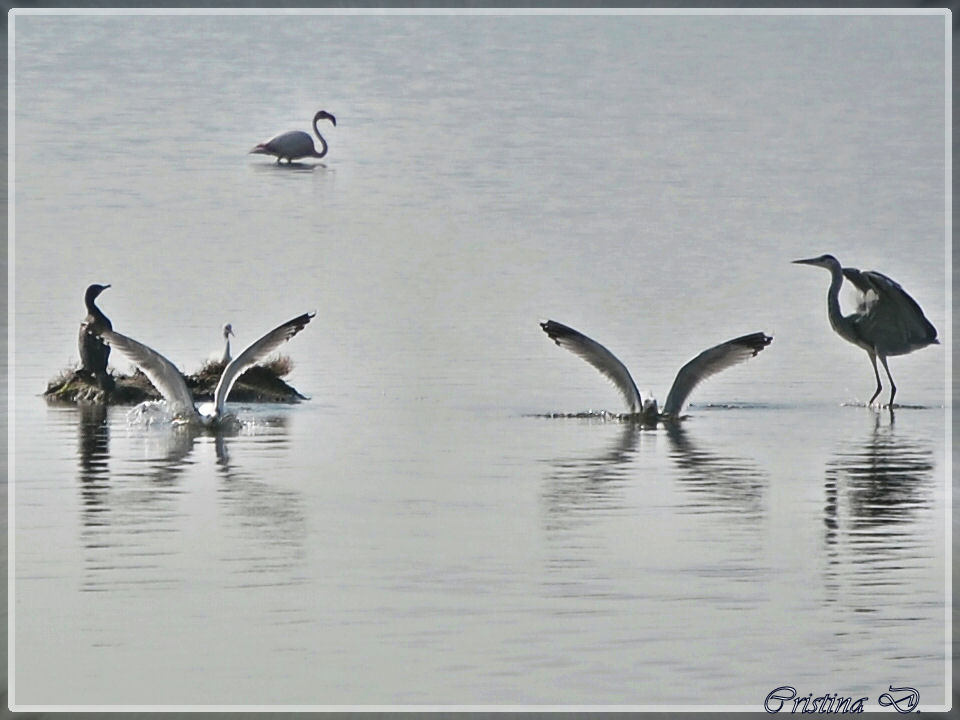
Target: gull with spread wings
<point>170,382</point>
<point>707,363</point>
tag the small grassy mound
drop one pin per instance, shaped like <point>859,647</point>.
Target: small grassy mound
<point>261,383</point>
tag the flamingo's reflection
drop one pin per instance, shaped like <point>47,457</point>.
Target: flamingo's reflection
<point>294,167</point>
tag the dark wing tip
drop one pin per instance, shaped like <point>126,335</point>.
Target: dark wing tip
<point>299,323</point>
<point>556,330</point>
<point>754,341</point>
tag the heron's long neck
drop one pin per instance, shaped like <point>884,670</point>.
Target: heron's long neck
<point>226,350</point>
<point>833,298</point>
<point>323,142</point>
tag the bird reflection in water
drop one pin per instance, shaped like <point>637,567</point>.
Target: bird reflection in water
<point>591,502</point>
<point>292,167</point>
<point>578,496</point>
<point>93,450</point>
<point>876,491</point>
<point>716,483</point>
<point>581,487</point>
<point>130,510</point>
<point>126,514</point>
<point>881,480</point>
<point>266,524</point>
<point>103,490</point>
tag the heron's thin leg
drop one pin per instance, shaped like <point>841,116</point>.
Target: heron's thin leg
<point>873,361</point>
<point>893,388</point>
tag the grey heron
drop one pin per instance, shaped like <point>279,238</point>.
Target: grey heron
<point>171,384</point>
<point>886,322</point>
<point>227,332</point>
<point>94,353</point>
<point>296,144</point>
<point>707,363</point>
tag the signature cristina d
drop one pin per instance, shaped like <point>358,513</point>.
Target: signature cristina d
<point>903,700</point>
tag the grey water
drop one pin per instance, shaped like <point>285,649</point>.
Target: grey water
<point>418,533</point>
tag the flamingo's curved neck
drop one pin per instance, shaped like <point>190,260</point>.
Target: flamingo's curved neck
<point>323,142</point>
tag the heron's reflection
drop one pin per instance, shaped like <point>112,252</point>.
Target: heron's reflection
<point>876,490</point>
<point>883,479</point>
<point>716,483</point>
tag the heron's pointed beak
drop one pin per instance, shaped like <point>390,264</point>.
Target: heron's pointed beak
<point>807,261</point>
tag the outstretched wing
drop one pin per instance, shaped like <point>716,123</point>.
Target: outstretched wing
<point>162,373</point>
<point>598,356</point>
<point>889,319</point>
<point>254,354</point>
<point>710,362</point>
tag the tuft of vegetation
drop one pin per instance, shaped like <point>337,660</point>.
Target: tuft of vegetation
<point>279,365</point>
<point>62,379</point>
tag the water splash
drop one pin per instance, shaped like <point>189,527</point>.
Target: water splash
<point>150,412</point>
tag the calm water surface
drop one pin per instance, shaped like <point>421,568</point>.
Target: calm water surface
<point>418,533</point>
